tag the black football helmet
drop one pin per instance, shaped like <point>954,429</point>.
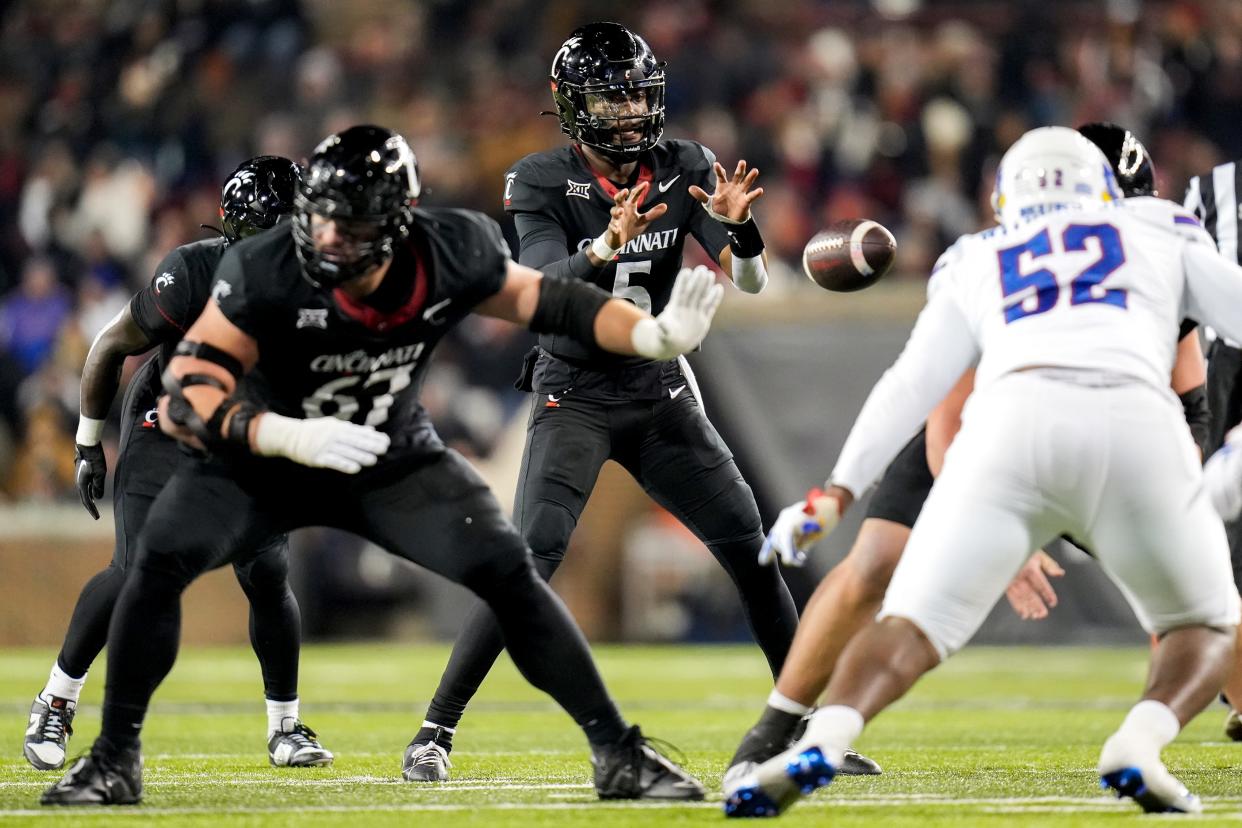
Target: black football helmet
<point>1136,174</point>
<point>366,178</point>
<point>598,71</point>
<point>257,194</point>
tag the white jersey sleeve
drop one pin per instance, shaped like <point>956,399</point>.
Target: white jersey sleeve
<point>1213,289</point>
<point>940,349</point>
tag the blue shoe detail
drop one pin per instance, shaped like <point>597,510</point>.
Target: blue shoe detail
<point>750,801</point>
<point>1126,782</point>
<point>809,770</point>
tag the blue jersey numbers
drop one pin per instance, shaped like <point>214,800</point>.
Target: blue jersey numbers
<point>1017,278</point>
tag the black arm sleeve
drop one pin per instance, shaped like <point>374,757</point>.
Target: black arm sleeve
<point>1198,416</point>
<point>543,246</point>
<point>568,306</point>
<point>163,310</point>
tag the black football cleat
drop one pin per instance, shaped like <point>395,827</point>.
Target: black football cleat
<point>47,737</point>
<point>632,769</point>
<point>102,777</point>
<point>425,762</point>
<point>297,746</point>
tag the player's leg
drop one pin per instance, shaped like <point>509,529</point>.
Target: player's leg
<point>565,448</point>
<point>977,529</point>
<point>146,459</point>
<point>442,516</point>
<point>848,597</point>
<point>685,466</point>
<point>1157,537</point>
<point>1224,382</point>
<point>200,518</point>
<point>276,636</point>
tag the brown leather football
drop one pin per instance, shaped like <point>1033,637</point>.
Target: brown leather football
<point>850,255</point>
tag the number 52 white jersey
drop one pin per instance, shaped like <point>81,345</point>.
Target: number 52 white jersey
<point>1095,290</point>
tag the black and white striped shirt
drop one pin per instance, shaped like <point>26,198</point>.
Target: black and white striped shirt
<point>1213,198</point>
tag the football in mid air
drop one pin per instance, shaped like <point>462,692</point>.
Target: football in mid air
<point>849,255</point>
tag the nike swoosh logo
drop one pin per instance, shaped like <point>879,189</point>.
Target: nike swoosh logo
<point>664,185</point>
<point>673,392</point>
<point>554,399</point>
<point>429,315</point>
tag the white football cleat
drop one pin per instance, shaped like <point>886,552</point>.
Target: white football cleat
<point>1134,770</point>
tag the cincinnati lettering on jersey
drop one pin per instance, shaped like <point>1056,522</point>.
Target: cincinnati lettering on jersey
<point>645,243</point>
<point>359,362</point>
<point>651,241</point>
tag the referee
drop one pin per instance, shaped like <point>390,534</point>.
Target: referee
<point>1214,200</point>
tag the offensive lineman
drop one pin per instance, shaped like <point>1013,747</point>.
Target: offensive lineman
<point>851,593</point>
<point>254,197</point>
<point>340,312</point>
<point>614,208</point>
<point>1070,308</point>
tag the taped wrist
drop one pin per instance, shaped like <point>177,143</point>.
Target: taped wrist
<point>1198,415</point>
<point>568,306</point>
<point>744,239</point>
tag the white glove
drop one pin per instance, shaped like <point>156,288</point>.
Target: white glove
<point>685,320</point>
<point>799,527</point>
<point>321,442</point>
<point>1222,476</point>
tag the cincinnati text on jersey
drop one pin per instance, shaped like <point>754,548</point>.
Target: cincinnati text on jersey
<point>357,362</point>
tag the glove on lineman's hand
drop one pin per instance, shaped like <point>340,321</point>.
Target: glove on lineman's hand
<point>685,320</point>
<point>321,442</point>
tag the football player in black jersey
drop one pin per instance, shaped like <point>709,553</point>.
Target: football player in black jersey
<point>614,208</point>
<point>852,592</point>
<point>340,312</point>
<point>255,196</point>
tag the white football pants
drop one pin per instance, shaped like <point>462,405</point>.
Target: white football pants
<point>1115,467</point>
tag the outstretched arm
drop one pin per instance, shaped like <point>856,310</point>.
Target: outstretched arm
<point>101,377</point>
<point>583,311</point>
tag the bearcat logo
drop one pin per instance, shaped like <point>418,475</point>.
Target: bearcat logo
<point>162,281</point>
<point>360,362</point>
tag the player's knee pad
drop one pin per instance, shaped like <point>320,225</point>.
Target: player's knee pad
<point>731,517</point>
<point>267,572</point>
<point>546,528</point>
<point>179,554</point>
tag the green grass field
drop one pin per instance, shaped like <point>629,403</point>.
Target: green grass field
<point>996,737</point>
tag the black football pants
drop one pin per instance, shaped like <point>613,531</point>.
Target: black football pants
<point>675,454</point>
<point>436,512</point>
<point>146,460</point>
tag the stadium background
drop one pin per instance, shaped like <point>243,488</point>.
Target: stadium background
<point>118,121</point>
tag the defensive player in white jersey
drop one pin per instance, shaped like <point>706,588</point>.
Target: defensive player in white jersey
<point>1070,308</point>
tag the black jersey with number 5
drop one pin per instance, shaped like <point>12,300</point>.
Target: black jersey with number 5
<point>560,205</point>
<point>325,354</point>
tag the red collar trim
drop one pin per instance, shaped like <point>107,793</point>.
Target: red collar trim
<point>644,174</point>
<point>377,320</point>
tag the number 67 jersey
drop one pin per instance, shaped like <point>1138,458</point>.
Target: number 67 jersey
<point>1097,292</point>
<point>322,354</point>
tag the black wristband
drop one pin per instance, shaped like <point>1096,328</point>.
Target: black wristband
<point>1198,416</point>
<point>744,239</point>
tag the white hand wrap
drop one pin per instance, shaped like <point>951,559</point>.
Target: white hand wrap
<point>685,320</point>
<point>322,442</point>
<point>601,249</point>
<point>89,430</point>
<point>750,275</point>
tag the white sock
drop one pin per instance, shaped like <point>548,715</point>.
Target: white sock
<point>277,712</point>
<point>1151,720</point>
<point>433,726</point>
<point>63,685</point>
<point>833,729</point>
<point>783,703</point>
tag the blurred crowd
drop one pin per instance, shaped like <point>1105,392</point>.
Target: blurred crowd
<point>120,118</point>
